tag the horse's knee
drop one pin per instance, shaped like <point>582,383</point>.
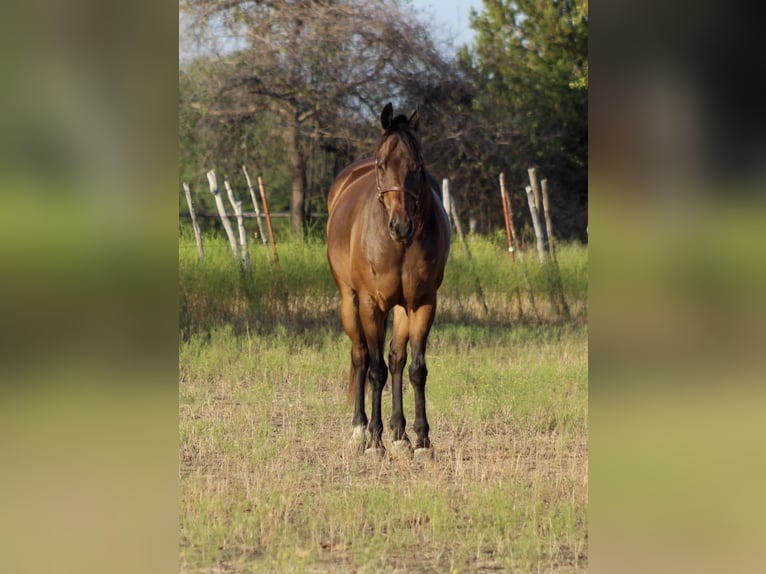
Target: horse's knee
<point>418,370</point>
<point>378,375</point>
<point>359,356</point>
<point>396,359</point>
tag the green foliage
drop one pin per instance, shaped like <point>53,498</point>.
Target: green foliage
<point>224,143</point>
<point>301,294</point>
<point>515,99</point>
<point>530,61</point>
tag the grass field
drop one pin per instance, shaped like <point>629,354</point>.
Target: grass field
<point>267,481</point>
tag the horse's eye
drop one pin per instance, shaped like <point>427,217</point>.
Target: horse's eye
<point>380,165</point>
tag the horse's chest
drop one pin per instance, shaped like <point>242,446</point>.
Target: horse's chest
<point>386,278</point>
<point>399,283</point>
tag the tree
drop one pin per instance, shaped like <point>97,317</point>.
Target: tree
<point>530,65</point>
<point>313,70</point>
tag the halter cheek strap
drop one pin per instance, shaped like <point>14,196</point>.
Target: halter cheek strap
<point>418,218</point>
<point>384,190</point>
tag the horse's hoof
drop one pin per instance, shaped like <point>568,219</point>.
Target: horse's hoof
<point>401,449</point>
<point>374,453</point>
<point>424,454</point>
<point>358,440</point>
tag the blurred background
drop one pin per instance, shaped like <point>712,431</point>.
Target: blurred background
<point>677,147</point>
<point>107,106</point>
<point>88,265</point>
<point>294,91</point>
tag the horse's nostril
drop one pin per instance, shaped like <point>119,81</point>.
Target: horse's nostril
<point>400,228</point>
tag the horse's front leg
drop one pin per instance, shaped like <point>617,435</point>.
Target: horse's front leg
<point>397,358</point>
<point>373,322</point>
<point>360,362</point>
<point>420,321</point>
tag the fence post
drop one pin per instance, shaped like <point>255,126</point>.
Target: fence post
<point>535,187</point>
<point>268,220</point>
<point>446,199</point>
<point>548,223</point>
<point>459,229</point>
<point>222,213</point>
<point>516,243</point>
<point>536,223</point>
<point>195,225</point>
<point>257,210</point>
<point>511,238</point>
<point>456,221</point>
<point>237,205</point>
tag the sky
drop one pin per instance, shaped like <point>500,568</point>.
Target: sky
<point>451,17</point>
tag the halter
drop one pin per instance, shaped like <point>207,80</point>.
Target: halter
<point>417,217</point>
<point>384,190</point>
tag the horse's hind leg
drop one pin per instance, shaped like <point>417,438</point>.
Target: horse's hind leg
<point>420,321</point>
<point>360,361</point>
<point>397,358</point>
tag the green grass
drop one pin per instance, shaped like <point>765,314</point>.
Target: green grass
<point>268,482</point>
<point>302,292</point>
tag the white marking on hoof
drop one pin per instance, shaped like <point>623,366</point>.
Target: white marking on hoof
<point>424,454</point>
<point>401,449</point>
<point>358,439</point>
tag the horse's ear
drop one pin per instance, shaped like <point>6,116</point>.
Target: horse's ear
<point>386,115</point>
<point>414,120</point>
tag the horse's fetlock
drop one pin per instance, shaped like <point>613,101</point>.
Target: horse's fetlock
<point>376,428</point>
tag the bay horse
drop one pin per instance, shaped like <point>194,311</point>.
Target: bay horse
<point>388,239</point>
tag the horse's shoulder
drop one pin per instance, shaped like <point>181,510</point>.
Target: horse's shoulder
<point>350,173</point>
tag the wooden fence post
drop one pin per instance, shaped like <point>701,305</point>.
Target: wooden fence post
<point>535,187</point>
<point>548,223</point>
<point>514,235</point>
<point>446,199</point>
<point>222,213</point>
<point>195,225</point>
<point>467,249</point>
<point>511,238</point>
<point>536,223</point>
<point>257,210</point>
<point>456,221</point>
<point>237,206</point>
<point>268,220</point>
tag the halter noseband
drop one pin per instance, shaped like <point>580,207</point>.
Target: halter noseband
<point>384,190</point>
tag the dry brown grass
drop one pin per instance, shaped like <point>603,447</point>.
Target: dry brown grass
<point>269,484</point>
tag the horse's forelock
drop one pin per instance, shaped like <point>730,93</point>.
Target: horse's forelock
<point>400,127</point>
<point>400,119</point>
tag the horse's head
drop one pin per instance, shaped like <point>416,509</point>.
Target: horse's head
<point>399,173</point>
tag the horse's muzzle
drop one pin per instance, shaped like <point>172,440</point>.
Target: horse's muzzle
<point>400,229</point>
